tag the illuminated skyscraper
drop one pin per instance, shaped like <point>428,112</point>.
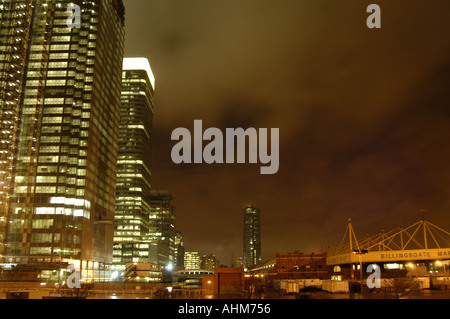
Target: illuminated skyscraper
<point>179,251</point>
<point>15,21</point>
<point>208,262</point>
<point>162,228</point>
<point>192,260</point>
<point>62,115</point>
<point>252,236</point>
<point>131,225</point>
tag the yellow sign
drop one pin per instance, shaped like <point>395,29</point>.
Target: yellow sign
<point>389,256</point>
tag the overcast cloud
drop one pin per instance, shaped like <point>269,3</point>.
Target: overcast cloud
<point>363,114</point>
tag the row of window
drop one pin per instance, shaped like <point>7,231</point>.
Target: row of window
<point>130,253</point>
<point>51,179</point>
<point>65,82</point>
<point>51,223</point>
<point>50,190</point>
<point>55,251</point>
<point>55,238</point>
<point>57,109</point>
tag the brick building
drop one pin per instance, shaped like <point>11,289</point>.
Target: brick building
<point>293,266</point>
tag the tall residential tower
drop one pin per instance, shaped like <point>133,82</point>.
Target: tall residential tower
<point>252,236</point>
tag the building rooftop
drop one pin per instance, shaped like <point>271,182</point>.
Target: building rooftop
<point>139,64</point>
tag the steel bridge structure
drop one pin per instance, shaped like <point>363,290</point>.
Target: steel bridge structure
<point>420,241</point>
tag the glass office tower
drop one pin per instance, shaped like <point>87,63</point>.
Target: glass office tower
<point>179,251</point>
<point>252,236</point>
<point>66,138</point>
<point>162,228</point>
<point>15,21</point>
<point>134,164</point>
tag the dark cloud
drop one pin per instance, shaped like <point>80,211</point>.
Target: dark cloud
<point>363,114</point>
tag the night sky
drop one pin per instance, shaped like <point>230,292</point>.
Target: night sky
<point>364,115</point>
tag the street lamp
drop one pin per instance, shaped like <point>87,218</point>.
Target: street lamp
<point>360,252</point>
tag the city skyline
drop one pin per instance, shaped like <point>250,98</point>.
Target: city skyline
<point>353,141</point>
<point>293,150</point>
<point>362,115</point>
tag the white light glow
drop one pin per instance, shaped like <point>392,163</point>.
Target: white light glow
<point>139,64</point>
<point>70,201</point>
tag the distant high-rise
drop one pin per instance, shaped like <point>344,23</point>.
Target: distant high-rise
<point>162,228</point>
<point>252,236</point>
<point>208,262</point>
<point>192,260</point>
<point>179,251</point>
<point>60,103</point>
<point>239,262</point>
<point>131,226</point>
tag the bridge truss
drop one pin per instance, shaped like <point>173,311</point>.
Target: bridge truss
<point>420,241</point>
